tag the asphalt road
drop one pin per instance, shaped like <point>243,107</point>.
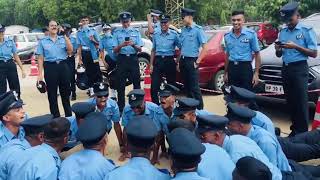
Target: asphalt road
<point>37,104</point>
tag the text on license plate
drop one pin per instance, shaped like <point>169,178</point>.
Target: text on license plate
<point>274,88</point>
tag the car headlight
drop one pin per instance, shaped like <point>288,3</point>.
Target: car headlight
<point>316,69</point>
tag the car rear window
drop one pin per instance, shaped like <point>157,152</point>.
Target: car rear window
<point>32,38</point>
<point>316,26</point>
<point>19,38</point>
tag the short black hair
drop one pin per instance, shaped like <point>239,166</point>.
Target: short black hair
<point>237,12</point>
<point>56,130</point>
<point>85,17</point>
<point>32,131</point>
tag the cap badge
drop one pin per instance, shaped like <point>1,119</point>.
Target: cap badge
<point>101,87</point>
<point>162,87</point>
<point>228,89</point>
<point>133,97</point>
<point>124,15</point>
<point>282,14</point>
<point>176,104</point>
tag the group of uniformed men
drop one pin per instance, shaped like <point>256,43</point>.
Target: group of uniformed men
<point>242,145</point>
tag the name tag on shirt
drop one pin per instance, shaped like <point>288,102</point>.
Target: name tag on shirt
<point>244,40</point>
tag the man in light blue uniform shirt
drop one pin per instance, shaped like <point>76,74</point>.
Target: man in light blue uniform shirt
<point>153,19</point>
<point>215,161</point>
<point>109,108</point>
<point>162,62</point>
<point>127,44</point>
<point>8,68</point>
<point>237,146</point>
<point>241,45</point>
<point>247,98</point>
<point>192,37</point>
<point>240,123</point>
<point>90,162</point>
<point>109,59</point>
<point>88,52</point>
<point>42,162</point>
<point>185,154</point>
<point>33,128</point>
<point>297,42</point>
<point>80,109</point>
<point>141,133</point>
<point>137,106</point>
<point>53,51</point>
<point>11,114</point>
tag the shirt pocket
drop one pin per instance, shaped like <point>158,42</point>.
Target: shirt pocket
<point>134,38</point>
<point>245,44</point>
<point>109,115</point>
<point>8,48</point>
<point>61,45</point>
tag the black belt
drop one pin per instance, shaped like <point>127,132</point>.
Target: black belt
<point>6,61</point>
<point>55,62</point>
<point>192,58</point>
<point>128,55</point>
<point>165,57</point>
<point>239,62</point>
<point>296,63</point>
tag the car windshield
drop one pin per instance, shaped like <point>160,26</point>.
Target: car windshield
<point>210,35</point>
<point>19,38</point>
<point>313,22</point>
<point>32,38</point>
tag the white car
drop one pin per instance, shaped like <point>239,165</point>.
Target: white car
<point>26,40</point>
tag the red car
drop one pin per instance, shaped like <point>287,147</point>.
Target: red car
<point>266,32</point>
<point>211,68</point>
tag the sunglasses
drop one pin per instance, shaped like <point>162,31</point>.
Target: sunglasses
<point>137,107</point>
<point>102,96</point>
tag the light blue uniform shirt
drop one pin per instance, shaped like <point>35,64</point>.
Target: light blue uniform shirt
<point>191,39</point>
<point>73,40</point>
<point>163,119</point>
<point>6,135</point>
<point>7,49</point>
<point>164,43</point>
<point>241,48</point>
<point>264,122</point>
<point>215,163</point>
<point>106,43</point>
<point>84,165</point>
<point>188,176</point>
<point>52,51</point>
<point>270,146</point>
<point>41,162</point>
<point>83,39</point>
<point>238,146</point>
<point>8,155</point>
<point>301,35</point>
<point>111,110</point>
<point>119,36</point>
<point>157,26</point>
<point>150,111</point>
<point>137,168</point>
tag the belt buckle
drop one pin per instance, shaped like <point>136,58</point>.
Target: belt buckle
<point>128,55</point>
<point>163,57</point>
<point>236,62</point>
<point>58,62</point>
<point>5,61</point>
<point>183,57</point>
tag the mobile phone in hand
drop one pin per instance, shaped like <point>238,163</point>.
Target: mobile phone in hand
<point>279,43</point>
<point>127,38</point>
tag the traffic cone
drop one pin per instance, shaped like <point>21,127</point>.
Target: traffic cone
<point>316,121</point>
<point>34,68</point>
<point>147,85</point>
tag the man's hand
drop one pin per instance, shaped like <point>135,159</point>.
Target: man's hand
<point>91,38</point>
<point>277,47</point>
<point>130,43</point>
<point>23,74</point>
<point>151,69</point>
<point>149,17</point>
<point>255,79</point>
<point>289,45</point>
<point>225,78</point>
<point>40,78</point>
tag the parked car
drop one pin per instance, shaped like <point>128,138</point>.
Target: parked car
<point>26,54</point>
<point>266,32</point>
<point>26,40</point>
<point>270,71</point>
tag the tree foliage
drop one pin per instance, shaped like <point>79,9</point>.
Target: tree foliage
<point>35,13</point>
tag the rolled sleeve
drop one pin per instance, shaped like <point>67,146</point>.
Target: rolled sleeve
<point>115,41</point>
<point>96,36</point>
<point>115,113</point>
<point>254,43</point>
<point>78,39</point>
<point>202,37</point>
<point>153,42</point>
<point>177,42</point>
<point>14,48</point>
<point>40,49</point>
<point>311,40</point>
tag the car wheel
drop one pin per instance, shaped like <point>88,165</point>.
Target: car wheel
<point>217,81</point>
<point>143,64</point>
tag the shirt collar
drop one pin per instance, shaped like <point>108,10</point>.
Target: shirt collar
<point>139,160</point>
<point>187,175</point>
<point>146,111</point>
<point>298,27</point>
<point>4,131</point>
<point>165,33</point>
<point>243,32</point>
<point>53,152</point>
<point>250,133</point>
<point>226,143</point>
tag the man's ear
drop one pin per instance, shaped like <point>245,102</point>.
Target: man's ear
<point>40,137</point>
